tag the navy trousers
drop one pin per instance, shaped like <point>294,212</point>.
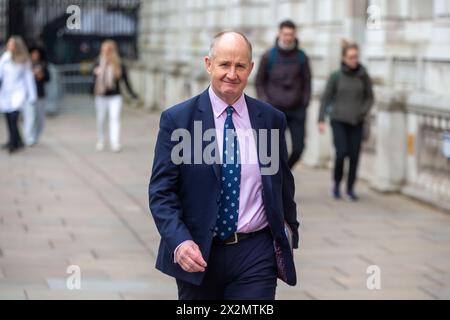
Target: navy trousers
<point>243,271</point>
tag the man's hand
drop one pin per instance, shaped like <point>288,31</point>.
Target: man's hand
<point>189,257</point>
<point>322,127</point>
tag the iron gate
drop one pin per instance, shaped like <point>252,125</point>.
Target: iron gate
<point>44,23</point>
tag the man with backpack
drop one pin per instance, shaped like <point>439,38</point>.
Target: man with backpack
<point>284,81</point>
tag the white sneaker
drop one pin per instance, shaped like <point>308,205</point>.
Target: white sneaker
<point>116,149</point>
<point>100,146</point>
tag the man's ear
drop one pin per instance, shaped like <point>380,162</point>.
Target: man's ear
<point>252,64</point>
<point>208,64</point>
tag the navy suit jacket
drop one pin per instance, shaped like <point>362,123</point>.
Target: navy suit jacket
<point>184,198</point>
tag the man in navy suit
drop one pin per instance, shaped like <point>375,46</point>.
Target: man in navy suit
<point>223,199</point>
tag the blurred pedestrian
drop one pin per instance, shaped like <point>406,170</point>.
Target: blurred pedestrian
<point>284,81</point>
<point>18,89</point>
<point>108,73</point>
<point>35,118</point>
<point>348,98</point>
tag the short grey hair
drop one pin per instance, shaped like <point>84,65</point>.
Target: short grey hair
<point>218,36</point>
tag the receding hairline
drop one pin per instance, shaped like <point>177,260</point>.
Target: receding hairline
<point>219,36</point>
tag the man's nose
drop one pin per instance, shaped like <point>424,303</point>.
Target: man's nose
<point>232,73</point>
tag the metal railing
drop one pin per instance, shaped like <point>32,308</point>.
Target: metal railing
<point>433,165</point>
<point>74,78</point>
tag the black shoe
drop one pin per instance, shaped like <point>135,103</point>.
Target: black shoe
<point>16,149</point>
<point>5,146</point>
<point>351,196</point>
<point>336,193</point>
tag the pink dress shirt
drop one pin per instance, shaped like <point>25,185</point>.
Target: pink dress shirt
<point>252,215</point>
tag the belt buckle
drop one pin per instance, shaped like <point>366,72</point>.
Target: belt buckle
<point>235,239</point>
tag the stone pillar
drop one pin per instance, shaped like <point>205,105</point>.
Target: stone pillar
<point>391,144</point>
<point>153,88</point>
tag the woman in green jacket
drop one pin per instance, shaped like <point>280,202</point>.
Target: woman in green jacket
<point>347,99</point>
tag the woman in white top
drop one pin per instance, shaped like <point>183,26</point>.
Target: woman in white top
<point>108,73</point>
<point>17,88</point>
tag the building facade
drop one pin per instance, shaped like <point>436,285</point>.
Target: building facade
<point>405,45</point>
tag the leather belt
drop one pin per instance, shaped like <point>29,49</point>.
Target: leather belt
<point>238,237</point>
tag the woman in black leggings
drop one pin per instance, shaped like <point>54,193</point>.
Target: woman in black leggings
<point>348,98</point>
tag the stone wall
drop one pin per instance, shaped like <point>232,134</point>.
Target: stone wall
<point>405,45</point>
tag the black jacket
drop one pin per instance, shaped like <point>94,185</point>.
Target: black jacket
<point>40,84</point>
<point>116,90</point>
<point>284,78</point>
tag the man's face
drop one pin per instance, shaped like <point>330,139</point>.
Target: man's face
<point>287,36</point>
<point>229,68</point>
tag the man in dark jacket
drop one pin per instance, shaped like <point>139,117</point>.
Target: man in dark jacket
<point>284,81</point>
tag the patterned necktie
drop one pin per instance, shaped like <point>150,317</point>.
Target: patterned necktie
<point>227,218</point>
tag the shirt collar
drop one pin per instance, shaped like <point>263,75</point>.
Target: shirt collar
<point>219,106</point>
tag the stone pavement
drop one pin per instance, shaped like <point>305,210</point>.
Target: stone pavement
<point>63,203</point>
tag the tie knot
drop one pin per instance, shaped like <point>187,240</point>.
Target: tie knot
<point>230,110</point>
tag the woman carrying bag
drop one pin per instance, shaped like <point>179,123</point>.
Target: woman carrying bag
<point>18,89</point>
<point>349,98</point>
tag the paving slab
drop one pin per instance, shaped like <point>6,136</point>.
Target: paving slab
<point>63,204</point>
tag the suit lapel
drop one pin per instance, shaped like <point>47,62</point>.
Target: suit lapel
<point>206,116</point>
<point>258,122</point>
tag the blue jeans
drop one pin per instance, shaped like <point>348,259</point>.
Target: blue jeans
<point>33,121</point>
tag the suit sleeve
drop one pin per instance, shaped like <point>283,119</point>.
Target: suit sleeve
<point>289,205</point>
<point>164,201</point>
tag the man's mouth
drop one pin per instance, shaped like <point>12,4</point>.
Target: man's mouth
<point>234,83</point>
